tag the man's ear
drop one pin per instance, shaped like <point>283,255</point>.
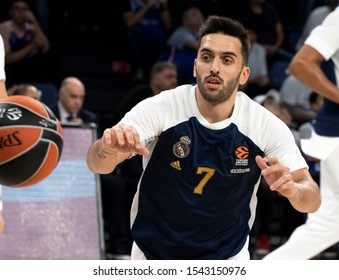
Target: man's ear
<point>194,69</point>
<point>244,75</point>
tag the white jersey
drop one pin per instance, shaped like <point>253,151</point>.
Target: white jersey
<point>325,39</point>
<point>196,198</point>
<point>2,60</point>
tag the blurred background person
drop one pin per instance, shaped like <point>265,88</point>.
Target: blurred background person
<point>70,104</point>
<point>259,81</point>
<point>295,96</point>
<point>183,43</point>
<point>163,76</point>
<point>316,17</point>
<point>25,89</point>
<point>269,28</point>
<point>149,23</point>
<point>28,57</point>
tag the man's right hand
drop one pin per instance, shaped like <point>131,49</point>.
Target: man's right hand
<point>122,138</point>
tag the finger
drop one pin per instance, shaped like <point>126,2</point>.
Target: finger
<point>284,181</point>
<point>271,160</point>
<point>277,168</point>
<point>260,162</point>
<point>107,137</point>
<point>142,151</point>
<point>136,138</point>
<point>119,134</point>
<point>287,190</point>
<point>131,135</point>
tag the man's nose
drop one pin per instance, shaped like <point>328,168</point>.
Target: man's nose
<point>215,67</point>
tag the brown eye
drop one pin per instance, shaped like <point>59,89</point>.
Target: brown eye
<point>227,60</point>
<point>205,57</point>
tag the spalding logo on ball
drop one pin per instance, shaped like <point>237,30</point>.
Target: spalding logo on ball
<point>31,141</point>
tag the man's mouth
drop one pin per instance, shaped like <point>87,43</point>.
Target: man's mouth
<point>213,82</point>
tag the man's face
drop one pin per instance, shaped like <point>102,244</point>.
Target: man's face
<point>72,98</point>
<point>33,92</point>
<point>219,67</point>
<point>18,11</point>
<point>166,79</point>
<point>271,105</point>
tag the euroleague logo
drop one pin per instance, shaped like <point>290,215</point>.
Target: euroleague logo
<point>241,156</point>
<point>241,152</point>
<point>12,114</point>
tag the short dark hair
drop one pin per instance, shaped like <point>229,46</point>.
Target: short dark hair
<point>159,66</point>
<point>227,26</point>
<point>20,89</point>
<point>25,1</point>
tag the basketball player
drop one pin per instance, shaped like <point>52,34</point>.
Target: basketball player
<point>203,154</point>
<point>3,94</point>
<point>321,229</point>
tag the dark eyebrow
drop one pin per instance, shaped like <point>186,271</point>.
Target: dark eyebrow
<point>225,53</point>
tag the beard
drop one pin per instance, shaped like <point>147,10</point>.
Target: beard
<point>223,95</point>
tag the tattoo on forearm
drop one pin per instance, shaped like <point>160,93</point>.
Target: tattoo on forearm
<point>101,153</point>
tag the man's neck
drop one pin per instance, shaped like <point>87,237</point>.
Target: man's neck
<point>214,113</point>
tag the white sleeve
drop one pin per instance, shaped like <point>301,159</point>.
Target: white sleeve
<point>2,60</point>
<point>325,37</point>
<point>148,118</point>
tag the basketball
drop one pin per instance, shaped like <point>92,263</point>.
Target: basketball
<point>31,141</point>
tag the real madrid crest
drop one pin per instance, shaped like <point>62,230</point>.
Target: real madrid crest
<point>181,149</point>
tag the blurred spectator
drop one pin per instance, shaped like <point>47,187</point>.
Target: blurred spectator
<point>187,34</point>
<point>25,89</point>
<point>28,57</point>
<point>269,28</point>
<point>296,97</point>
<point>149,23</point>
<point>259,81</point>
<point>184,42</point>
<point>315,18</point>
<point>163,76</point>
<point>70,105</point>
<point>272,102</point>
